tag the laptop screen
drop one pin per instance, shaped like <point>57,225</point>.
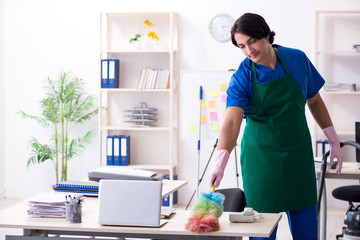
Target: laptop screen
<point>129,202</point>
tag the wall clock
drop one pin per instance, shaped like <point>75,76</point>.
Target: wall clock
<point>220,27</point>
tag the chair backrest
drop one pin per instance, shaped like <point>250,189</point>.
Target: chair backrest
<point>349,193</point>
<point>234,199</point>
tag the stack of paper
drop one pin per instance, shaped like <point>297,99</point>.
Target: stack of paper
<point>346,87</point>
<point>47,204</point>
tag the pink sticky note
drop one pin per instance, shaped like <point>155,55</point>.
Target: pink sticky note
<point>213,116</point>
<point>223,97</point>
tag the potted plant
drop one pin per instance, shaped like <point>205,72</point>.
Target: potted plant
<point>135,41</point>
<point>64,106</point>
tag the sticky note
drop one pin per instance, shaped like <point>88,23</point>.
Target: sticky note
<point>212,104</point>
<point>203,118</point>
<point>223,107</point>
<point>198,92</point>
<point>203,104</point>
<point>214,93</point>
<point>223,97</point>
<point>223,87</point>
<point>213,116</point>
<point>193,128</point>
<point>214,126</point>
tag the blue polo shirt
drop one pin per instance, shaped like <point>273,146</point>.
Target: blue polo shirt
<point>240,89</point>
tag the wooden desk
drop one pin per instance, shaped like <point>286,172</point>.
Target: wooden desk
<point>34,228</point>
<point>349,170</point>
<point>170,186</point>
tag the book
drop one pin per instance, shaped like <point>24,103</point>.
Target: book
<point>78,185</point>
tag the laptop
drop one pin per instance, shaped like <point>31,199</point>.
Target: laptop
<point>130,203</point>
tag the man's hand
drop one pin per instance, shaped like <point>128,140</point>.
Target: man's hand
<point>217,172</point>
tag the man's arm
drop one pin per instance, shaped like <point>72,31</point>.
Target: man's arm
<point>230,129</point>
<point>319,111</point>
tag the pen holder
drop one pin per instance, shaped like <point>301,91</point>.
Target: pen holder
<point>73,212</point>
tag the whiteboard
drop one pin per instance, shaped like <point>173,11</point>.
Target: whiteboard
<point>213,106</point>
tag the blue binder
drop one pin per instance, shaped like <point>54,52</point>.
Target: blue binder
<point>125,150</point>
<point>104,73</point>
<point>113,77</point>
<point>166,199</point>
<point>117,148</point>
<point>109,150</point>
<point>110,73</point>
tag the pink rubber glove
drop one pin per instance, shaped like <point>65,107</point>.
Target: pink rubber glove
<point>217,172</point>
<point>335,150</point>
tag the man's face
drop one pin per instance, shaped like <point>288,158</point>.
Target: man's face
<point>256,50</point>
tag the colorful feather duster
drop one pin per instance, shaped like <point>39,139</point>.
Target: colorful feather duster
<point>206,212</point>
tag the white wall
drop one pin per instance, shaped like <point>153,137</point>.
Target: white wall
<point>2,100</point>
<point>42,37</point>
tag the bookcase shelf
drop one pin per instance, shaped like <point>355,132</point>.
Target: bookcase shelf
<point>338,62</point>
<point>156,147</point>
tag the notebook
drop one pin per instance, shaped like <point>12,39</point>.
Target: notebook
<point>130,203</point>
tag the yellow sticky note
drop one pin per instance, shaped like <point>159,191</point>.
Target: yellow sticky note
<point>212,104</point>
<point>203,118</point>
<point>223,107</point>
<point>214,127</point>
<point>198,91</point>
<point>223,87</point>
<point>213,93</point>
<point>193,128</point>
<point>203,104</point>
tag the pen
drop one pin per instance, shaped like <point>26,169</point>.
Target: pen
<point>71,201</point>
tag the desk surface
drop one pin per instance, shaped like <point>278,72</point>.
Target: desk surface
<point>16,217</point>
<point>170,186</point>
<point>349,170</point>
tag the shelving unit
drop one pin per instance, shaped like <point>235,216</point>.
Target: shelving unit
<point>152,148</point>
<point>337,62</point>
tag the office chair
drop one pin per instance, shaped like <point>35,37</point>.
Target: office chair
<point>234,202</point>
<point>234,199</point>
<point>351,194</point>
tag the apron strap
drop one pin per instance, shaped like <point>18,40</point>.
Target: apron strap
<point>253,69</point>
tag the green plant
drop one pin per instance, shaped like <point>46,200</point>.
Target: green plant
<point>64,106</point>
<point>144,25</point>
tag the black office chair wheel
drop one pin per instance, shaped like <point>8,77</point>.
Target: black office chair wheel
<point>347,193</point>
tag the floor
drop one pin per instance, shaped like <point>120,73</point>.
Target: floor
<point>334,223</point>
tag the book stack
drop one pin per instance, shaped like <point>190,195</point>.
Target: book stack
<point>154,79</point>
<point>89,188</point>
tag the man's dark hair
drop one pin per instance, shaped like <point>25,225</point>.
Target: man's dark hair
<point>253,25</point>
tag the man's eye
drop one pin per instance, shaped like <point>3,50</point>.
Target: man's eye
<point>241,46</point>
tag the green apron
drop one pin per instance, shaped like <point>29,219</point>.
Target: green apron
<point>277,161</point>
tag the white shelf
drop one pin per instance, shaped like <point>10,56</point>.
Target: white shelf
<point>119,90</point>
<point>337,62</point>
<point>339,53</point>
<point>151,148</point>
<point>340,93</point>
<point>119,51</point>
<point>129,128</point>
<point>147,166</point>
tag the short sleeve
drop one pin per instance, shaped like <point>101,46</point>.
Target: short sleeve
<point>239,89</point>
<point>316,81</point>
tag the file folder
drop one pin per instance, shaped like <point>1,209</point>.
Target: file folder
<point>166,199</point>
<point>113,66</point>
<point>104,73</point>
<point>116,150</point>
<point>110,73</point>
<point>110,150</point>
<point>125,150</point>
